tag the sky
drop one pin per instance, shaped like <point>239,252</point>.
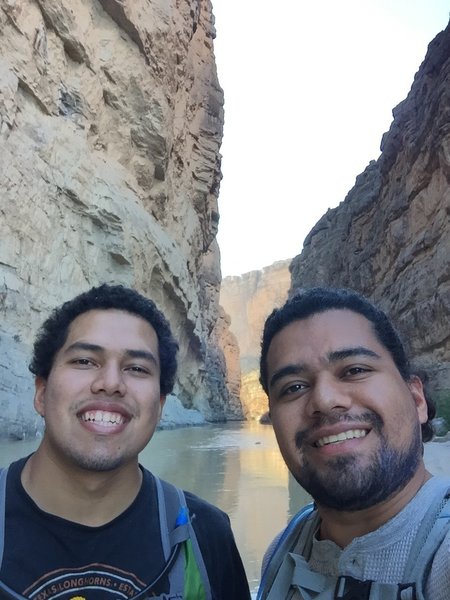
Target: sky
<point>309,91</point>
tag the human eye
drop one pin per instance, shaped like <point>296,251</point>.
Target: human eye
<point>356,371</point>
<point>292,390</point>
<point>138,370</point>
<point>82,362</point>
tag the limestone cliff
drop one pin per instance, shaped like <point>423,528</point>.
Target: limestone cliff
<point>111,120</point>
<point>248,299</point>
<point>390,238</point>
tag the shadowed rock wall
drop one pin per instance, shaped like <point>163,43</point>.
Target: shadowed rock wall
<point>390,238</point>
<point>111,120</point>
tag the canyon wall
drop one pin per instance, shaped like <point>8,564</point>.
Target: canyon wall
<point>248,299</point>
<point>111,120</point>
<point>390,238</point>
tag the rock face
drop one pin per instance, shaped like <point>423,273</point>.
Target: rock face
<point>111,120</point>
<point>248,299</point>
<point>390,238</point>
<point>230,351</point>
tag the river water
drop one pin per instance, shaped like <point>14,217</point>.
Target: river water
<point>237,467</point>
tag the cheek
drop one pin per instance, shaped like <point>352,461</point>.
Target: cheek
<point>150,404</point>
<point>285,424</point>
<point>288,414</point>
<point>62,393</point>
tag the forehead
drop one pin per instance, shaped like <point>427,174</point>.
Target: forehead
<point>315,337</point>
<point>112,328</point>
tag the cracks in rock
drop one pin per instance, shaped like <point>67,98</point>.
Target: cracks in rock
<point>115,10</point>
<point>29,90</point>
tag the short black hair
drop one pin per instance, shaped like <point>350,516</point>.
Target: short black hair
<point>307,302</point>
<point>54,331</point>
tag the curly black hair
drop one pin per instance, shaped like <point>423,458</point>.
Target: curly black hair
<point>53,333</point>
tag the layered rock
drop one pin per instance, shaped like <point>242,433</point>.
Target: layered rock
<point>111,120</point>
<point>248,299</point>
<point>390,238</point>
<point>228,343</point>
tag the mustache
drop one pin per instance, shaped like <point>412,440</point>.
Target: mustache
<point>367,418</point>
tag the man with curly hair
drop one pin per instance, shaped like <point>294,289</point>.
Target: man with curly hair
<point>82,517</point>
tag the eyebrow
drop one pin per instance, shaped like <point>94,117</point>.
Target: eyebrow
<point>349,352</point>
<point>332,357</point>
<point>86,346</point>
<point>145,354</point>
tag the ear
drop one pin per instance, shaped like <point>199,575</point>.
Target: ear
<point>416,387</point>
<point>40,385</point>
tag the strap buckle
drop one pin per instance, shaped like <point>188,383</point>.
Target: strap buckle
<point>348,588</point>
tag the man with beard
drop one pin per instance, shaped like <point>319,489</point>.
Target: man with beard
<point>350,418</point>
<point>80,518</point>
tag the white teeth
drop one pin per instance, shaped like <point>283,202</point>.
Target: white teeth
<point>340,437</point>
<point>104,417</point>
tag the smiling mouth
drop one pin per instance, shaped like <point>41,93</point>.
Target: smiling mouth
<point>340,437</point>
<point>103,417</point>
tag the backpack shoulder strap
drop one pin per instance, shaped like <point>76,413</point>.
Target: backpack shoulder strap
<point>432,530</point>
<point>171,505</point>
<point>3,475</point>
<point>4,589</point>
<point>298,534</point>
<point>294,547</point>
<point>176,527</point>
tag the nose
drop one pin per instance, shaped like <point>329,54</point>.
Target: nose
<point>329,394</point>
<point>109,380</point>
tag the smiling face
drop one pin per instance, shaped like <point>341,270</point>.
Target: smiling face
<point>101,402</point>
<point>347,423</point>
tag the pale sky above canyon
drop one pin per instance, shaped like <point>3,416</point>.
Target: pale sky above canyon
<point>309,91</point>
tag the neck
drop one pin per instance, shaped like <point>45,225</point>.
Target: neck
<point>88,497</point>
<point>343,526</point>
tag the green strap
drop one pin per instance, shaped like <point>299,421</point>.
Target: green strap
<point>193,583</point>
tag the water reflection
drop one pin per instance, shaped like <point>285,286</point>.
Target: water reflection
<point>237,467</point>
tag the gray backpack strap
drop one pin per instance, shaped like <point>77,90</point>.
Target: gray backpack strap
<point>176,527</point>
<point>9,594</point>
<point>171,502</point>
<point>295,572</point>
<point>432,530</point>
<point>3,475</point>
<point>3,587</point>
<point>311,585</point>
<point>296,580</point>
<point>299,531</point>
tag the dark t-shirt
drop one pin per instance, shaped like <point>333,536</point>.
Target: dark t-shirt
<point>47,557</point>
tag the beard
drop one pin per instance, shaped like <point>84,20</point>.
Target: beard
<point>348,485</point>
<point>97,463</point>
<point>88,459</point>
